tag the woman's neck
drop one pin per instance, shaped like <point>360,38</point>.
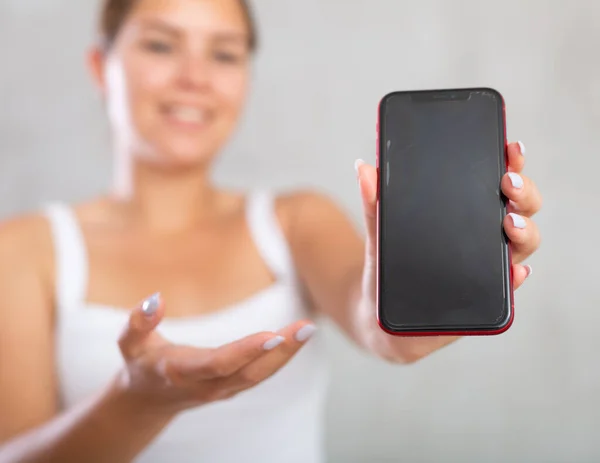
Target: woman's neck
<point>163,200</point>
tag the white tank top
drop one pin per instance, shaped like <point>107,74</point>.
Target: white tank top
<point>280,420</point>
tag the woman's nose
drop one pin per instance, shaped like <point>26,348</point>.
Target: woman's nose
<point>195,72</point>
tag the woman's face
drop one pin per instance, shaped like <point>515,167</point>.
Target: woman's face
<point>176,79</point>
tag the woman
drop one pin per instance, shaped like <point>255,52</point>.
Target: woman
<point>220,367</point>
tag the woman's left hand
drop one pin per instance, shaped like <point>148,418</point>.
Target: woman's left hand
<point>525,202</point>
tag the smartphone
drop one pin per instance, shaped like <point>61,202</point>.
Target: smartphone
<point>444,260</point>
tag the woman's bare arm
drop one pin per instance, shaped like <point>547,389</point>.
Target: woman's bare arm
<point>27,383</point>
<point>110,427</point>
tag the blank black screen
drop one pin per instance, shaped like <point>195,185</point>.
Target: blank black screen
<point>443,252</point>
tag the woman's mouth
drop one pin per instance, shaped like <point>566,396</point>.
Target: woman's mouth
<point>188,117</point>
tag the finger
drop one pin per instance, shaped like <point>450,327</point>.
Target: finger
<point>524,196</point>
<point>296,336</point>
<point>367,182</point>
<point>228,359</point>
<point>516,157</point>
<point>142,321</point>
<point>523,234</point>
<point>520,274</point>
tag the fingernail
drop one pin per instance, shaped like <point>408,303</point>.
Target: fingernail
<point>357,164</point>
<point>516,180</point>
<point>521,147</point>
<point>305,332</point>
<point>273,343</point>
<point>150,305</point>
<point>529,271</point>
<point>518,221</point>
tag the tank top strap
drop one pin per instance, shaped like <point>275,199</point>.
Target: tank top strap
<point>70,256</point>
<point>267,233</point>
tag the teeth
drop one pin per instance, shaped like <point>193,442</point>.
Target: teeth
<point>190,115</point>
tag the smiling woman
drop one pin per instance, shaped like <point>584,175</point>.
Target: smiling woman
<point>184,68</point>
<point>225,364</point>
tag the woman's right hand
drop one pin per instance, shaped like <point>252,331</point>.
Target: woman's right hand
<point>175,378</point>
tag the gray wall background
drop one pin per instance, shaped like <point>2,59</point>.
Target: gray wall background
<point>531,395</point>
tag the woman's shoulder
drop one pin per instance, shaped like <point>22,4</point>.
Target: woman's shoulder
<point>304,209</point>
<point>293,201</point>
<point>26,242</point>
<point>26,263</point>
<point>25,235</point>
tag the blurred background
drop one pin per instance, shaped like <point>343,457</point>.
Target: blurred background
<point>530,395</point>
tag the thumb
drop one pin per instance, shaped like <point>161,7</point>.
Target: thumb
<point>142,321</point>
<point>367,182</point>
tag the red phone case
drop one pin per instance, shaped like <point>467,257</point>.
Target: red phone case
<point>440,333</point>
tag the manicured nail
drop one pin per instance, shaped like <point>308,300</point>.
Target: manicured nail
<point>150,305</point>
<point>273,343</point>
<point>305,332</point>
<point>521,147</point>
<point>357,164</point>
<point>518,221</point>
<point>516,180</point>
<point>529,271</point>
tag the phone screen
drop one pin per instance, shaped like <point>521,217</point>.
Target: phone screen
<point>443,252</point>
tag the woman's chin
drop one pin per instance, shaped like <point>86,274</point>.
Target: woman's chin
<point>182,158</point>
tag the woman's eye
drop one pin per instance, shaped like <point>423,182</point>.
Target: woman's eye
<point>156,46</point>
<point>227,57</point>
